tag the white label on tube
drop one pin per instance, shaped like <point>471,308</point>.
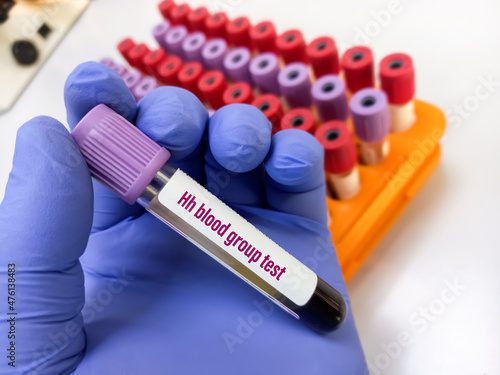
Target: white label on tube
<point>235,235</point>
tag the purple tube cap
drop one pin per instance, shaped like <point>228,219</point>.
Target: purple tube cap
<point>264,64</point>
<point>236,64</point>
<point>328,87</point>
<point>370,114</point>
<point>192,46</point>
<point>118,154</point>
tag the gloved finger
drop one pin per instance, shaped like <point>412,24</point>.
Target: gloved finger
<point>295,180</point>
<point>239,138</point>
<point>175,119</point>
<point>45,221</point>
<point>89,85</point>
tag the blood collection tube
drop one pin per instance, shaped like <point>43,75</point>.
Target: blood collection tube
<point>215,25</point>
<point>164,7</point>
<point>299,118</point>
<point>189,75</point>
<point>136,55</point>
<point>120,69</point>
<point>238,32</point>
<point>270,106</point>
<point>193,45</point>
<point>371,119</point>
<point>237,65</point>
<point>168,69</point>
<point>295,85</point>
<point>196,19</point>
<point>179,14</point>
<point>132,78</point>
<point>324,57</point>
<point>357,63</point>
<point>263,37</point>
<point>238,92</point>
<point>124,48</point>
<point>397,77</point>
<point>212,85</point>
<point>125,160</point>
<point>159,33</point>
<point>330,98</point>
<point>291,46</point>
<point>108,62</point>
<point>152,60</point>
<point>174,38</point>
<point>213,53</point>
<point>144,86</point>
<point>264,70</point>
<point>340,159</point>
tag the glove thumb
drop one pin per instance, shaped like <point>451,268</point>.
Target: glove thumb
<point>45,221</point>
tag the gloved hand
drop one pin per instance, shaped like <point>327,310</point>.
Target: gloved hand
<point>103,287</point>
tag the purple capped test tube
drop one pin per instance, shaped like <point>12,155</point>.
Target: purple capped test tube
<point>295,85</point>
<point>132,78</point>
<point>370,114</point>
<point>264,70</point>
<point>159,32</point>
<point>237,65</point>
<point>144,86</point>
<point>213,53</point>
<point>108,62</point>
<point>330,98</point>
<point>192,46</point>
<point>174,38</point>
<point>120,69</point>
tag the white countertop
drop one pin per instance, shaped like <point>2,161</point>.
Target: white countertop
<point>433,282</point>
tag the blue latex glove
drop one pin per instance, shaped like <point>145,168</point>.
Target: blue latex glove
<point>105,288</point>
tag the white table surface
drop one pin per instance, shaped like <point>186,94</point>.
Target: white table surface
<point>450,232</point>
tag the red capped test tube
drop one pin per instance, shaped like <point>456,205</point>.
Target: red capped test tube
<point>324,57</point>
<point>357,63</point>
<point>124,48</point>
<point>179,14</point>
<point>136,55</point>
<point>152,60</point>
<point>238,32</point>
<point>189,75</point>
<point>299,118</point>
<point>196,19</point>
<point>167,70</point>
<point>291,46</point>
<point>164,7</point>
<point>340,159</point>
<point>212,85</point>
<point>215,25</point>
<point>263,37</point>
<point>238,92</point>
<point>270,106</point>
<point>397,77</point>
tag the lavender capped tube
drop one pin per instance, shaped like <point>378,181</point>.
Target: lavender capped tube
<point>132,78</point>
<point>213,53</point>
<point>237,65</point>
<point>295,85</point>
<point>174,38</point>
<point>193,45</point>
<point>264,70</point>
<point>144,86</point>
<point>159,33</point>
<point>125,160</point>
<point>371,118</point>
<point>330,98</point>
